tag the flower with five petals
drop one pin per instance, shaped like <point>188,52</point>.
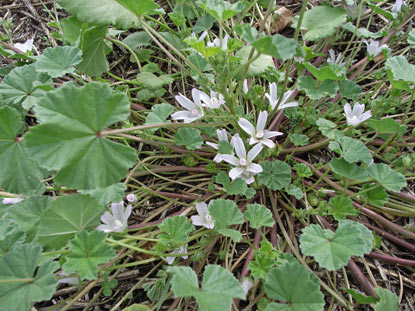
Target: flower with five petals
<point>203,219</point>
<point>272,97</point>
<point>356,116</point>
<point>194,108</point>
<point>117,221</point>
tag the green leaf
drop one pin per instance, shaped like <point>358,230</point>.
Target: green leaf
<point>84,159</point>
<point>349,89</point>
<point>258,216</point>
<point>341,207</point>
<point>275,175</point>
<point>112,193</point>
<point>94,51</point>
<point>278,46</point>
<point>29,212</point>
<point>265,257</point>
<point>205,22</point>
<point>18,172</point>
<point>59,60</point>
<point>220,9</point>
<point>388,300</point>
<point>219,287</point>
<point>360,298</point>
<point>331,72</point>
<point>322,21</point>
<point>20,87</point>
<point>175,230</point>
<point>257,67</point>
<point>303,170</point>
<point>238,186</point>
<point>292,282</point>
<point>136,307</point>
<point>353,150</point>
<point>159,114</point>
<point>295,191</point>
<point>139,7</point>
<point>299,139</point>
<point>411,38</point>
<point>189,137</point>
<point>87,251</point>
<point>67,216</point>
<point>376,196</point>
<point>362,32</point>
<point>314,90</point>
<point>71,29</point>
<point>348,170</point>
<point>20,264</point>
<point>152,82</point>
<point>384,175</point>
<point>332,250</point>
<point>101,12</point>
<point>401,69</point>
<point>328,129</point>
<point>226,213</point>
<point>10,235</point>
<point>386,126</point>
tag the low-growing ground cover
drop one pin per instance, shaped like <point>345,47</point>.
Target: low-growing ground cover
<point>207,155</point>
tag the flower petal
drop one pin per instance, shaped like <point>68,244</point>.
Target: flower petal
<point>185,102</point>
<point>247,126</point>
<point>236,172</point>
<point>202,209</point>
<point>254,152</point>
<point>269,134</point>
<point>254,168</point>
<point>239,147</point>
<point>231,159</point>
<point>262,121</point>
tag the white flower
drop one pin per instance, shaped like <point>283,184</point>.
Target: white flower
<point>373,48</point>
<point>244,168</point>
<point>247,284</point>
<point>203,219</point>
<point>259,135</point>
<point>117,221</point>
<point>356,116</point>
<point>214,101</point>
<point>73,280</point>
<point>181,250</point>
<point>24,47</point>
<point>222,136</point>
<point>11,200</point>
<point>245,86</point>
<point>333,60</point>
<point>131,197</point>
<point>202,35</point>
<point>216,43</point>
<point>195,110</point>
<point>273,98</point>
<point>397,7</point>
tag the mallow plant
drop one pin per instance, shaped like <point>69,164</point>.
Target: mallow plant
<point>206,159</point>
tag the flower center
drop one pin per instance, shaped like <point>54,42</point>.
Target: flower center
<point>246,173</point>
<point>208,218</point>
<point>243,162</point>
<point>260,134</point>
<point>355,118</point>
<point>214,101</point>
<point>118,223</point>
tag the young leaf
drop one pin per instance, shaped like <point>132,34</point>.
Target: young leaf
<point>87,251</point>
<point>332,72</point>
<point>94,51</point>
<point>59,60</point>
<point>332,250</point>
<point>341,207</point>
<point>226,213</point>
<point>328,129</point>
<point>67,216</point>
<point>18,172</point>
<point>159,114</point>
<point>294,191</point>
<point>221,9</point>
<point>322,21</point>
<point>278,46</point>
<point>189,137</point>
<point>219,287</point>
<point>388,300</point>
<point>101,12</point>
<point>292,282</point>
<point>29,281</point>
<point>258,215</point>
<point>383,174</point>
<point>113,193</point>
<point>314,90</point>
<point>153,82</point>
<point>238,186</point>
<point>84,159</point>
<point>299,139</point>
<point>353,150</point>
<point>348,170</point>
<point>175,230</point>
<point>376,196</point>
<point>360,298</point>
<point>257,67</point>
<point>71,29</point>
<point>20,87</point>
<point>349,89</point>
<point>275,175</point>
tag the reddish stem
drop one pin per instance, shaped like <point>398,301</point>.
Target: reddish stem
<point>361,278</point>
<point>393,260</point>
